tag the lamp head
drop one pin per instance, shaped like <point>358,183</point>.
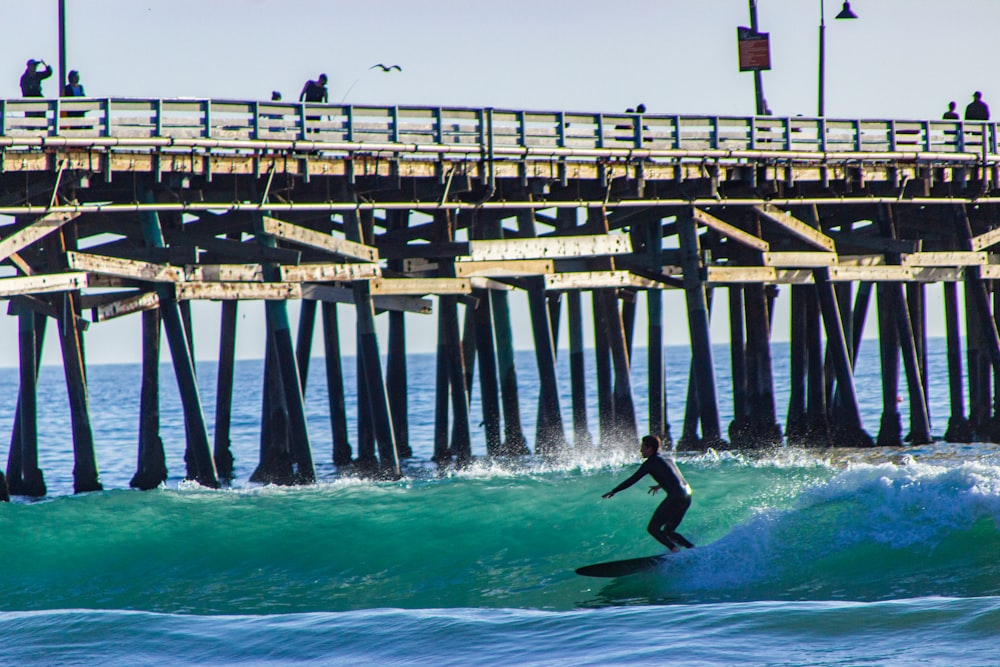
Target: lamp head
<point>846,12</point>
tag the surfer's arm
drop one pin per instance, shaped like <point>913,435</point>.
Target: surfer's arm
<point>639,474</point>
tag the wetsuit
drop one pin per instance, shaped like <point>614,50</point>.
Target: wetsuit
<point>666,518</point>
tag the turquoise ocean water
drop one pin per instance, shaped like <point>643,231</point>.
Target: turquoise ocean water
<point>805,556</point>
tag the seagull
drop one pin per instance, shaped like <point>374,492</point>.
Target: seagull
<point>387,68</point>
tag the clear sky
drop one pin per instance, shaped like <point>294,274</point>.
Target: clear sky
<point>901,59</point>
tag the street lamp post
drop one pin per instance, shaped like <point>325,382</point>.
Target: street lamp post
<point>62,46</point>
<point>845,13</point>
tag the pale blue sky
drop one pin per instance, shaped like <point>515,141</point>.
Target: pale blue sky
<point>902,59</point>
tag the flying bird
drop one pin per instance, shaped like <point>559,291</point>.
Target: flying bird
<point>387,68</point>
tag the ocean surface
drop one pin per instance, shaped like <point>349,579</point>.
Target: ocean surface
<point>805,556</point>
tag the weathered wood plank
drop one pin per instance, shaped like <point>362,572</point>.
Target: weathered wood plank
<point>861,260</point>
<point>597,280</point>
<point>318,273</point>
<point>794,277</point>
<point>420,286</point>
<point>730,231</point>
<point>325,242</point>
<point>945,274</point>
<point>549,247</point>
<point>42,282</point>
<point>741,274</point>
<point>131,304</point>
<point>124,268</point>
<point>504,269</point>
<point>36,230</point>
<point>986,240</point>
<point>870,273</point>
<point>796,227</point>
<point>228,291</point>
<point>406,304</point>
<point>224,273</point>
<point>947,258</point>
<point>800,259</point>
<point>878,244</point>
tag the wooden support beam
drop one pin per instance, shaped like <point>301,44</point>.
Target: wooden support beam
<point>800,259</point>
<point>222,446</point>
<point>124,268</point>
<point>187,383</point>
<point>407,304</point>
<point>35,231</point>
<point>335,385</point>
<point>879,244</point>
<point>237,291</point>
<point>887,273</point>
<point>730,231</point>
<point>796,227</point>
<point>550,247</point>
<point>379,415</point>
<point>253,273</point>
<point>134,303</point>
<point>597,280</point>
<point>317,273</point>
<point>762,413</point>
<point>947,259</point>
<point>420,286</point>
<point>724,275</point>
<point>28,478</point>
<point>151,466</point>
<point>43,283</point>
<point>932,274</point>
<point>325,242</point>
<point>397,383</point>
<point>698,323</point>
<point>795,421</point>
<point>959,429</point>
<point>890,432</point>
<point>849,431</point>
<point>986,240</point>
<point>503,268</point>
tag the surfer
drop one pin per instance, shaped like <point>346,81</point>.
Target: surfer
<point>666,518</point>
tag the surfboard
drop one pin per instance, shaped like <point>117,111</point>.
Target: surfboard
<point>620,568</point>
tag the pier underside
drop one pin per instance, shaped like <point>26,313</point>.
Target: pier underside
<point>100,227</point>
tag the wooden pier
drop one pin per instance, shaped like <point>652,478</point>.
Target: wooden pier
<point>137,207</point>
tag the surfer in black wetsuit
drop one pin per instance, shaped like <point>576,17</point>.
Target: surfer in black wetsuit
<point>666,518</point>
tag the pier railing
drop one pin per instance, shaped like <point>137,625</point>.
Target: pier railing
<point>152,122</point>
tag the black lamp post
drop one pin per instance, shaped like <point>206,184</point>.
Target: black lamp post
<point>845,13</point>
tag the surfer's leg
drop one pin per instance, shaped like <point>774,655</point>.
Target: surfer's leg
<point>678,510</point>
<point>656,525</point>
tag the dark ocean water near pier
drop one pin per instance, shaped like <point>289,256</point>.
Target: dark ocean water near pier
<point>805,556</point>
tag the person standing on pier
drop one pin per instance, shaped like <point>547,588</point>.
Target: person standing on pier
<point>977,109</point>
<point>950,114</point>
<point>314,91</point>
<point>73,87</point>
<point>31,80</point>
<point>663,525</point>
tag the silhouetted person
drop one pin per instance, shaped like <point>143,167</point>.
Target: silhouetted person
<point>73,87</point>
<point>977,109</point>
<point>314,91</point>
<point>275,96</point>
<point>641,108</point>
<point>950,114</point>
<point>31,80</point>
<point>666,518</point>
